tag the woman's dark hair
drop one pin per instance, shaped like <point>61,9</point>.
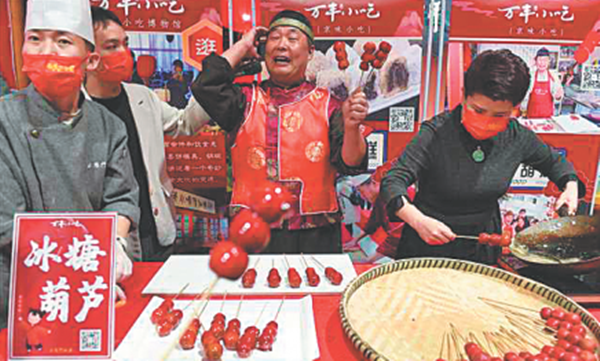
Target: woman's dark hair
<point>499,75</point>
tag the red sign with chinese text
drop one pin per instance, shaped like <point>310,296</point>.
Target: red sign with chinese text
<point>531,19</point>
<point>200,40</point>
<point>354,18</point>
<point>171,16</point>
<point>62,286</point>
<point>197,161</point>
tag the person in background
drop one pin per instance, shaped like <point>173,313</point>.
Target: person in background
<point>507,223</point>
<point>544,88</point>
<point>146,119</point>
<point>522,215</point>
<point>135,77</point>
<point>464,161</point>
<point>59,151</point>
<point>520,225</point>
<point>286,130</point>
<point>177,86</point>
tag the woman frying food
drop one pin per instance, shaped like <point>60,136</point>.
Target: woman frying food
<point>463,161</point>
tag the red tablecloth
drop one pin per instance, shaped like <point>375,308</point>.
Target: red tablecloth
<point>333,344</point>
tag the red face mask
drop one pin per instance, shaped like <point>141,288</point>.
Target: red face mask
<point>54,76</point>
<point>117,67</point>
<point>483,127</point>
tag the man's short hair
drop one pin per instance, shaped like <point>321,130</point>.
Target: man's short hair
<point>542,52</point>
<point>178,63</point>
<point>101,17</point>
<point>499,75</point>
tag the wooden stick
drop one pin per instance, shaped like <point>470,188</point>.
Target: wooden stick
<point>518,341</point>
<point>467,237</point>
<point>509,305</point>
<point>223,302</point>
<point>317,261</point>
<point>305,263</point>
<point>261,313</point>
<point>502,345</point>
<point>449,354</point>
<point>488,350</point>
<point>510,312</point>
<point>491,343</point>
<point>524,327</point>
<point>195,298</point>
<point>239,307</point>
<point>456,342</point>
<point>442,347</point>
<point>279,309</point>
<point>287,263</point>
<point>526,340</point>
<point>185,326</point>
<point>202,310</point>
<point>181,291</point>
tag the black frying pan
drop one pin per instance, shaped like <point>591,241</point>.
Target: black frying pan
<point>566,245</point>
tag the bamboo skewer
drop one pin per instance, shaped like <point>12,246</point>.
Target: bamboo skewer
<point>194,299</point>
<point>489,300</point>
<point>442,347</point>
<point>223,302</point>
<point>185,326</point>
<point>181,291</point>
<point>279,309</point>
<point>237,313</point>
<point>317,261</point>
<point>261,313</point>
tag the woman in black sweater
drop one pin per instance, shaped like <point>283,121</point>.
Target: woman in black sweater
<point>464,161</point>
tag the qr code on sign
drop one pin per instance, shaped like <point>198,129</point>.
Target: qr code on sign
<point>590,77</point>
<point>402,119</point>
<point>90,340</point>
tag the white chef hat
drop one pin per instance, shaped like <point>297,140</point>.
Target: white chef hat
<point>73,16</point>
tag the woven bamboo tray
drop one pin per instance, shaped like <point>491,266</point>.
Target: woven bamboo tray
<point>426,308</point>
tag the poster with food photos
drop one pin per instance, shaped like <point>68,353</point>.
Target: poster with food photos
<point>62,286</point>
<point>342,66</point>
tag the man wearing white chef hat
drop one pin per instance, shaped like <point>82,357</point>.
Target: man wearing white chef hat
<point>58,151</point>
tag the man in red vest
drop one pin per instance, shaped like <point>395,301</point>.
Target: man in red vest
<point>286,130</point>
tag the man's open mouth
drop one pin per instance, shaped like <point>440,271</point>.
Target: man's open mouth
<point>281,60</point>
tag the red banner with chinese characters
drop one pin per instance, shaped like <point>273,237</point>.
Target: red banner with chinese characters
<point>197,161</point>
<point>172,16</point>
<point>525,19</point>
<point>354,18</point>
<point>62,286</point>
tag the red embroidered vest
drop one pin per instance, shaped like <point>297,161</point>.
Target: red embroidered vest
<point>303,152</point>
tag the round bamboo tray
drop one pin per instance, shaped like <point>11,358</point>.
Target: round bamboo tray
<point>428,308</point>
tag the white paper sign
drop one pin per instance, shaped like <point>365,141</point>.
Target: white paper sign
<point>528,178</point>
